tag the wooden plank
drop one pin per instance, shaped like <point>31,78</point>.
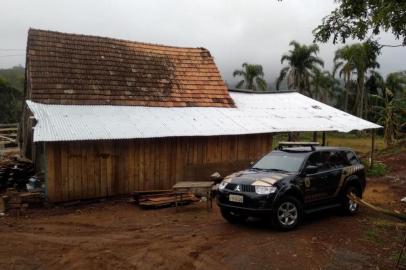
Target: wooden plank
<point>141,172</point>
<point>84,170</point>
<point>179,159</point>
<point>157,148</point>
<point>149,165</point>
<point>71,168</point>
<point>77,161</point>
<point>130,166</point>
<point>50,181</point>
<point>103,169</point>
<point>98,162</point>
<point>109,169</point>
<point>57,171</point>
<point>65,171</point>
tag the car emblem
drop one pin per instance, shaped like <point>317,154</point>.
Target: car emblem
<point>237,188</point>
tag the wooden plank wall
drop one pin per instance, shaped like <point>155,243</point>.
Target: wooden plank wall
<point>90,169</point>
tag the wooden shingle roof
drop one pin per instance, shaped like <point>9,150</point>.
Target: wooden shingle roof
<point>78,69</point>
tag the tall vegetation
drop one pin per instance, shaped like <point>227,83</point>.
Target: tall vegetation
<point>11,94</point>
<point>10,103</point>
<point>253,77</point>
<point>390,105</point>
<point>302,59</point>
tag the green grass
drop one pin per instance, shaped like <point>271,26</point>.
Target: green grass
<point>378,169</point>
<point>394,257</point>
<point>360,142</point>
<point>372,235</point>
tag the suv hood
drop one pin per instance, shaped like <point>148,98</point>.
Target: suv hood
<point>257,178</point>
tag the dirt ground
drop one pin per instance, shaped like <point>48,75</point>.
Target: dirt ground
<point>119,235</point>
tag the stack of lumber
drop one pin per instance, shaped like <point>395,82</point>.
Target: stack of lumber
<point>162,198</point>
<point>15,172</point>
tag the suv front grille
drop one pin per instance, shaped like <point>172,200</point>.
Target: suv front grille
<point>244,188</point>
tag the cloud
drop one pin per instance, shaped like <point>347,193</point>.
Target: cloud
<point>235,31</point>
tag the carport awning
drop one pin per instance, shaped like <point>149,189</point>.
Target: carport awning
<point>254,113</point>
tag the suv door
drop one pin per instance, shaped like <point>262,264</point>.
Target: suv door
<point>337,162</point>
<point>316,184</point>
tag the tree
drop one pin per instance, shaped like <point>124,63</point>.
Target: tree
<point>360,18</point>
<point>390,106</point>
<point>322,85</point>
<point>302,59</point>
<point>253,77</point>
<point>364,57</point>
<point>344,65</point>
<point>10,103</point>
<point>356,59</point>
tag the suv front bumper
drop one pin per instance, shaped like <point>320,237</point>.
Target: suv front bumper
<point>253,204</point>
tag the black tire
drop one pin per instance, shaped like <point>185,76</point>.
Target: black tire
<point>350,208</point>
<point>288,213</point>
<point>233,217</point>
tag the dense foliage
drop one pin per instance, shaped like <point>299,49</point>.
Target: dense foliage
<point>10,103</point>
<point>363,19</point>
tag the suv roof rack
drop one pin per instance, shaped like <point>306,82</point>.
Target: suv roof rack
<point>297,144</point>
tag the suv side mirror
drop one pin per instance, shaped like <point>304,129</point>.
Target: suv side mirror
<point>310,169</point>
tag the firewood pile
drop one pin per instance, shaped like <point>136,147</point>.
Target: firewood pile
<point>15,172</point>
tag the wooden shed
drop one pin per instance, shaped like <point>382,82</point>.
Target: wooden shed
<point>105,117</point>
<point>70,69</point>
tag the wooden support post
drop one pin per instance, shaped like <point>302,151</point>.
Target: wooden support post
<point>372,148</point>
<point>324,139</point>
<point>314,136</point>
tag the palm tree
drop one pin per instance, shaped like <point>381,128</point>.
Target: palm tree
<point>343,63</point>
<point>253,77</point>
<point>323,85</point>
<point>301,60</point>
<point>357,58</point>
<point>364,58</point>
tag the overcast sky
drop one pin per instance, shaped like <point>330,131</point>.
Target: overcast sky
<point>254,31</point>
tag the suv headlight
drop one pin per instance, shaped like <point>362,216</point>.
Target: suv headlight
<point>264,190</point>
<point>222,185</point>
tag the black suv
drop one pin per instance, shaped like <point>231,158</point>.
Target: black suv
<point>292,180</point>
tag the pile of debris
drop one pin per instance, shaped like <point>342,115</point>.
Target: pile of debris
<point>15,172</point>
<point>162,198</point>
<point>15,203</point>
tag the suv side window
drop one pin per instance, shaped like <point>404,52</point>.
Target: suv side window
<point>352,158</point>
<point>338,159</point>
<point>320,159</point>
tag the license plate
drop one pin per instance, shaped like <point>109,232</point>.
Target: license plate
<point>236,198</point>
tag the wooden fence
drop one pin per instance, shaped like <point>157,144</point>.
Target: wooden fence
<point>8,135</point>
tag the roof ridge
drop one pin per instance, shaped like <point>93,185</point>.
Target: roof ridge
<point>116,39</point>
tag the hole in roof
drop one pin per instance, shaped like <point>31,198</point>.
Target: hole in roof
<point>316,107</point>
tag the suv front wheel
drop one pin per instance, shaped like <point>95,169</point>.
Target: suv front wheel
<point>350,207</point>
<point>288,213</point>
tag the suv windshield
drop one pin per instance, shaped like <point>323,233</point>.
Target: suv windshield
<point>280,162</point>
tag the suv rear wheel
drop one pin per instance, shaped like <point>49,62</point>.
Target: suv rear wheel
<point>233,217</point>
<point>288,213</point>
<point>350,207</point>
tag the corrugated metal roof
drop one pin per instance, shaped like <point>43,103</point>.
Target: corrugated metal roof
<point>255,113</point>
